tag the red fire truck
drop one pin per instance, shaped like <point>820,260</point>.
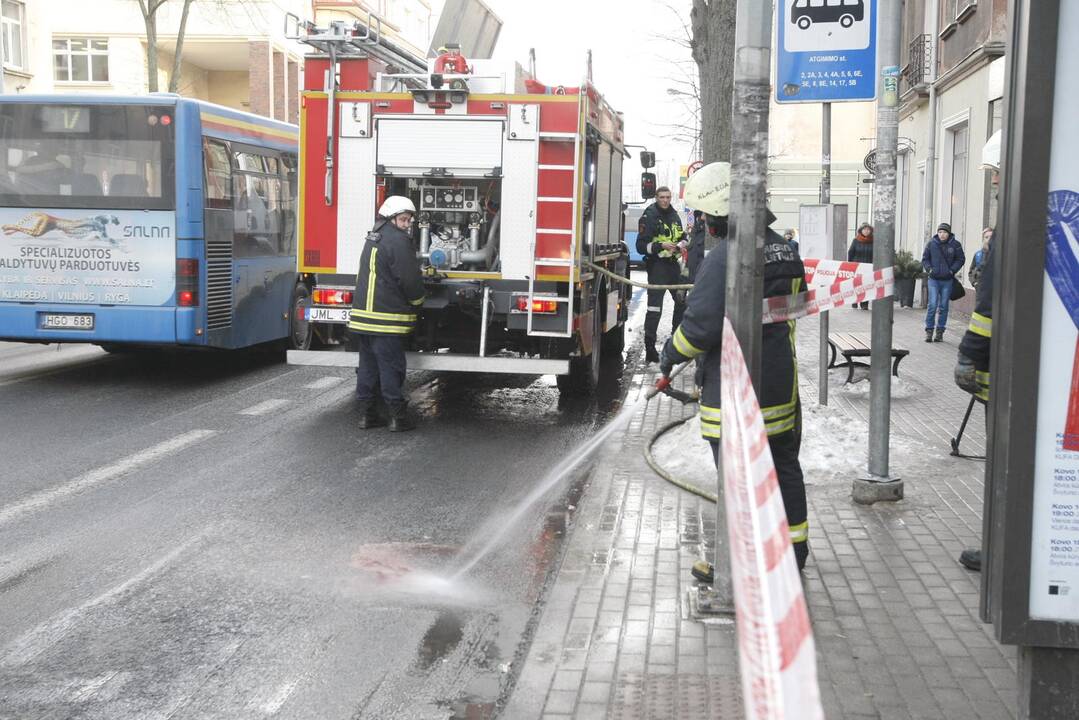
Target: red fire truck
<point>518,190</point>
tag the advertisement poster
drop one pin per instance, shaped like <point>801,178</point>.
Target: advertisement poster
<point>87,257</point>
<point>1054,572</point>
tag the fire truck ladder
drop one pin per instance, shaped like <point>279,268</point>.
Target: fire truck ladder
<point>567,243</point>
<point>341,39</point>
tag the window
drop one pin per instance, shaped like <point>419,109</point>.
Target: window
<point>257,210</point>
<point>957,184</point>
<point>12,38</point>
<point>218,174</point>
<point>86,156</point>
<point>81,59</point>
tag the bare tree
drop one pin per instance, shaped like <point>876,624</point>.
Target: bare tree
<point>149,10</point>
<point>712,26</point>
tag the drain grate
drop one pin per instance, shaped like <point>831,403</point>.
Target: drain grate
<point>641,696</point>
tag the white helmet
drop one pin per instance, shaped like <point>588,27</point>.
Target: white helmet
<point>395,205</point>
<point>709,189</point>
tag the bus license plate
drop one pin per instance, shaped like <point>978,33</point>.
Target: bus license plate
<point>66,321</point>
<point>332,315</point>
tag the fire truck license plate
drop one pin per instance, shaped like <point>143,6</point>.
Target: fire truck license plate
<point>57,321</point>
<point>332,315</point>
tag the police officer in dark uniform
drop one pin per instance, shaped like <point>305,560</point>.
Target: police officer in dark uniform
<point>700,334</point>
<point>659,235</point>
<point>389,291</point>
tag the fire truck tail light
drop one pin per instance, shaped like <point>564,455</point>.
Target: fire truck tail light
<point>323,296</point>
<point>547,307</point>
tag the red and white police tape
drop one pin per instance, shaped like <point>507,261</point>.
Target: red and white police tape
<point>859,288</point>
<point>829,272</point>
<point>776,652</point>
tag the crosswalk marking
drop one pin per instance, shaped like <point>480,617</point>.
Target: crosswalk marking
<point>264,407</point>
<point>323,383</point>
<point>46,498</point>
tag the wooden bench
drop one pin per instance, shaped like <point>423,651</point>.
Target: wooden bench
<point>856,345</point>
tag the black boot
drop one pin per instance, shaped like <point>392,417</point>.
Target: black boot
<point>650,354</point>
<point>971,559</point>
<point>400,421</point>
<point>801,554</point>
<point>929,336</point>
<point>369,417</point>
<point>939,336</point>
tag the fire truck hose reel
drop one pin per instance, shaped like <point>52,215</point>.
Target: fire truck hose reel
<point>615,276</point>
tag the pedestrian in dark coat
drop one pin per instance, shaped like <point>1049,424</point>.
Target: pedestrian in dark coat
<point>861,250</point>
<point>942,259</point>
<point>696,244</point>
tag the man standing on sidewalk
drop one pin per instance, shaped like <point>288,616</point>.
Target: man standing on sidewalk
<point>701,333</point>
<point>972,365</point>
<point>659,241</point>
<point>942,259</point>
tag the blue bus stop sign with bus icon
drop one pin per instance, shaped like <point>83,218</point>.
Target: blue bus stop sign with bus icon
<point>826,51</point>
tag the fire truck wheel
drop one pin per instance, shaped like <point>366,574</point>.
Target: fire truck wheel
<point>614,340</point>
<point>584,372</point>
<point>300,330</point>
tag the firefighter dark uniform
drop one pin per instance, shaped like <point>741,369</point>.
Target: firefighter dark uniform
<point>972,365</point>
<point>701,332</point>
<point>972,368</point>
<point>389,290</point>
<point>656,228</point>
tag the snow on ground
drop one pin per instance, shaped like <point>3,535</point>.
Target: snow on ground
<point>686,456</point>
<point>834,448</point>
<point>902,387</point>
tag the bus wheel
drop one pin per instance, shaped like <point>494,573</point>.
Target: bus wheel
<point>846,21</point>
<point>300,330</point>
<point>804,22</point>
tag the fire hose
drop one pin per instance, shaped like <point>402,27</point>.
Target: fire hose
<point>635,283</point>
<point>664,386</point>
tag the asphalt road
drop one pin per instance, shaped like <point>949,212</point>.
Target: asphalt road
<point>207,536</point>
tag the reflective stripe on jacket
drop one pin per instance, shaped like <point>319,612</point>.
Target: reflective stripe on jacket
<point>701,334</point>
<point>389,284</point>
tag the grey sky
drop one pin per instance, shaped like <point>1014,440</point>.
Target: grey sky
<point>631,65</point>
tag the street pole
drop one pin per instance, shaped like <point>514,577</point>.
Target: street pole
<point>746,223</point>
<point>825,199</point>
<point>878,484</point>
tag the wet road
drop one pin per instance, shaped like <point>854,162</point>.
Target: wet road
<point>196,536</point>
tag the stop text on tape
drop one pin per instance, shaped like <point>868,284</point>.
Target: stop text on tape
<point>861,288</point>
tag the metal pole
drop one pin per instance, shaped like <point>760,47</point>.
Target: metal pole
<point>879,485</point>
<point>825,199</point>
<point>929,196</point>
<point>746,223</point>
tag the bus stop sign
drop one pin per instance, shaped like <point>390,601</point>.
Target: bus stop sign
<point>826,51</point>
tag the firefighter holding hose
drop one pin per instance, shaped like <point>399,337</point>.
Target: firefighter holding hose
<point>701,331</point>
<point>389,291</point>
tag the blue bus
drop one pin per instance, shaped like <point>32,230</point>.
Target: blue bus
<point>146,221</point>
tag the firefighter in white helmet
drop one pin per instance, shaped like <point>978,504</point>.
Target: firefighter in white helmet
<point>701,333</point>
<point>389,292</point>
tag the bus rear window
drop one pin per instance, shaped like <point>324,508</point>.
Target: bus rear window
<point>86,156</point>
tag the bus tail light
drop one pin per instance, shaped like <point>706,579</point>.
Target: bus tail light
<point>324,296</point>
<point>545,307</point>
<point>187,282</point>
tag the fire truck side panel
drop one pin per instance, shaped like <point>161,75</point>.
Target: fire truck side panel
<point>355,197</point>
<point>318,221</point>
<point>518,218</point>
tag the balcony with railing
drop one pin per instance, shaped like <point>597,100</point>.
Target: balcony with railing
<point>916,73</point>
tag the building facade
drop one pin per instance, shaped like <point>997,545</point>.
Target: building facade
<point>235,52</point>
<point>952,93</point>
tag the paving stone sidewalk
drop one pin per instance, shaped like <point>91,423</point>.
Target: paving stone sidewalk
<point>895,617</point>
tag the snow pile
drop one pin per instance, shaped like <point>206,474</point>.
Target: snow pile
<point>901,387</point>
<point>686,456</point>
